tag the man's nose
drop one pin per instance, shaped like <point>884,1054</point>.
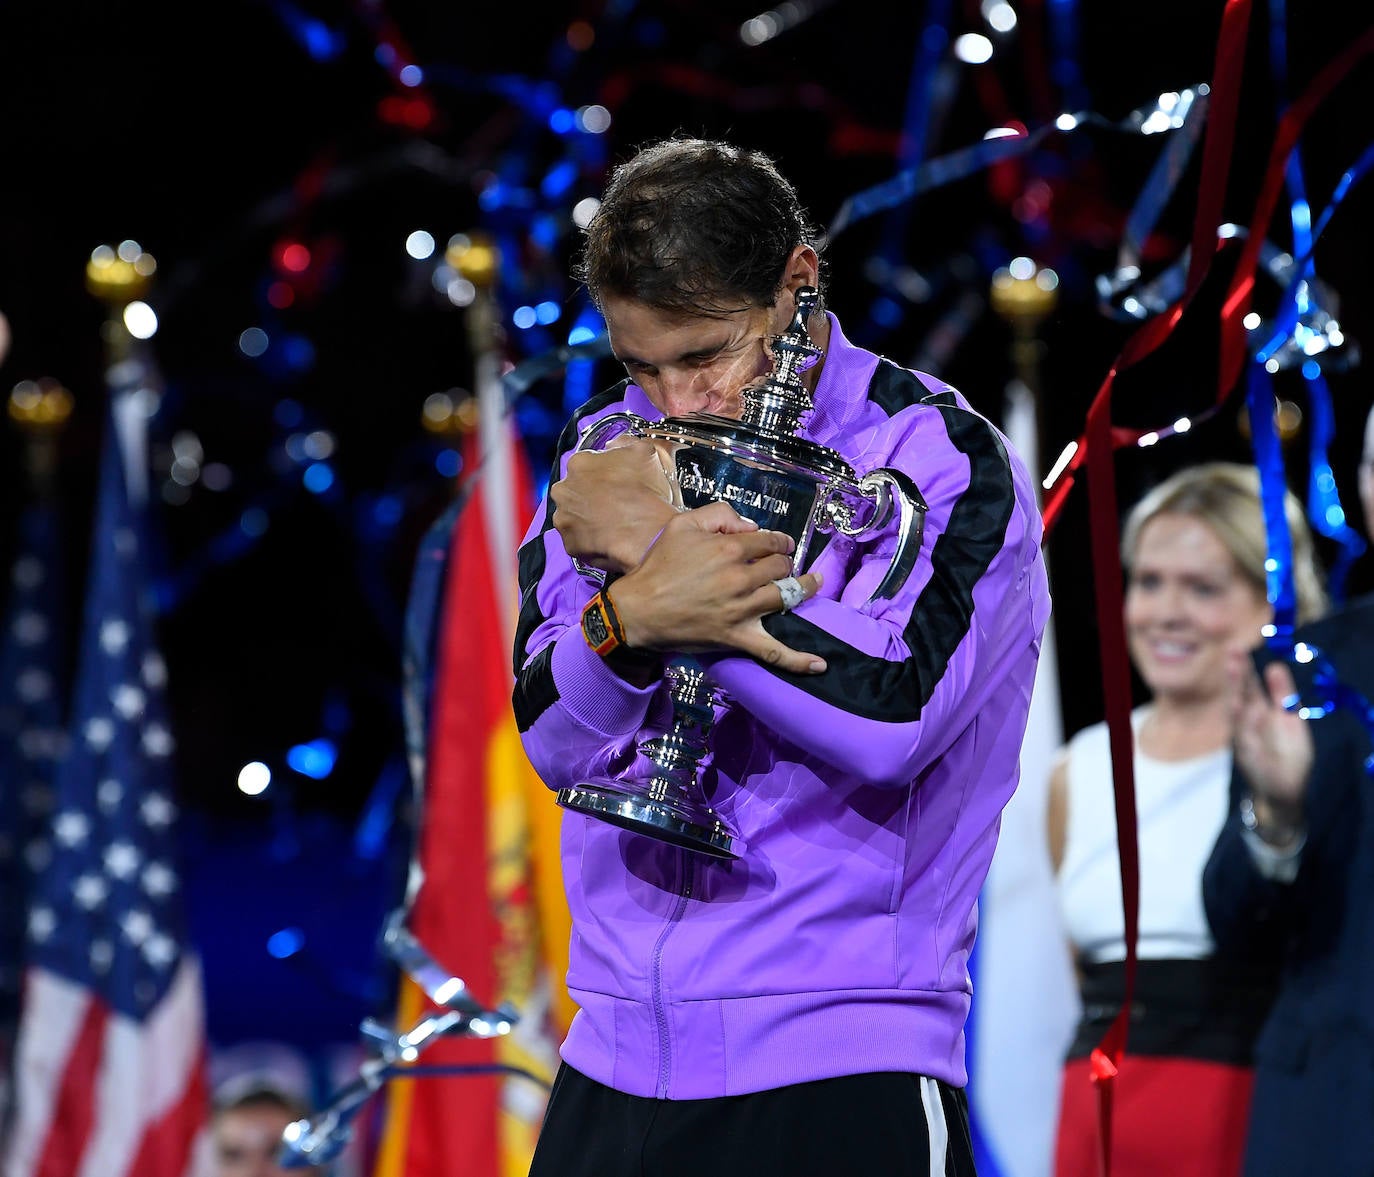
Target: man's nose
<point>683,391</point>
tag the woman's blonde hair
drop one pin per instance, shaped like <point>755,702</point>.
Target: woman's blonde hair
<point>1226,497</point>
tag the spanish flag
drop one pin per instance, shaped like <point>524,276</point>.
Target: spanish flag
<point>487,897</point>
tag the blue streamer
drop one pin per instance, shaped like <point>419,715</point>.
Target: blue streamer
<point>1332,691</point>
<point>906,185</point>
<point>577,379</point>
<point>1297,299</point>
<point>931,90</point>
<point>1273,487</point>
<point>1300,211</point>
<point>1064,67</point>
<point>1323,502</point>
<point>1339,694</point>
<point>321,42</point>
<point>1298,319</point>
<point>1349,178</point>
<point>1164,177</point>
<point>932,174</point>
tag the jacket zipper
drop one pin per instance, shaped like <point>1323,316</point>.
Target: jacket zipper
<point>665,1054</point>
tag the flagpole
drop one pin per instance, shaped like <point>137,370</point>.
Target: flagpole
<point>33,651</point>
<point>469,908</point>
<point>1025,1001</point>
<point>1025,295</point>
<point>476,257</point>
<point>40,408</point>
<point>120,277</point>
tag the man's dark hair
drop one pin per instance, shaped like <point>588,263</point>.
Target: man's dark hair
<point>694,226</point>
<point>259,1094</point>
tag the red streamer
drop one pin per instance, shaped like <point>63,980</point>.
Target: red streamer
<point>1096,447</point>
<point>1100,439</point>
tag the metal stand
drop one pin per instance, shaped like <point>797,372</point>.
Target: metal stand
<point>320,1139</point>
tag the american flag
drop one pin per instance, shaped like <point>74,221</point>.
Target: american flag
<point>32,657</point>
<point>110,1067</point>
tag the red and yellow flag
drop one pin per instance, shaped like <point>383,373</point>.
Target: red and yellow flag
<point>491,907</point>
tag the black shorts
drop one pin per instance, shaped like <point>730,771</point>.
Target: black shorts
<point>860,1125</point>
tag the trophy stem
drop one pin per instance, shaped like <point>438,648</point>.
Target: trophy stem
<point>670,806</point>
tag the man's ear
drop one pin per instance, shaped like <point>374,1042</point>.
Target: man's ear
<point>803,268</point>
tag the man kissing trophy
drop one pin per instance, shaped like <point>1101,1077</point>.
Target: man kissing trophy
<point>764,467</point>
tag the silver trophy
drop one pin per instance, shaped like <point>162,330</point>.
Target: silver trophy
<point>762,466</point>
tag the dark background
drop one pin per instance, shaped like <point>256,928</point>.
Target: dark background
<point>218,136</point>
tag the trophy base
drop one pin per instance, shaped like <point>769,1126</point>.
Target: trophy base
<point>702,832</point>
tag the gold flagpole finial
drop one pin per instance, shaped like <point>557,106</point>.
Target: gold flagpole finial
<point>1025,294</point>
<point>476,257</point>
<point>120,274</point>
<point>40,406</point>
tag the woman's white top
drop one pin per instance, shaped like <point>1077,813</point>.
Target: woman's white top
<point>1181,806</point>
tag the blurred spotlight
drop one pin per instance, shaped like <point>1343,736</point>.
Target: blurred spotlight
<point>216,476</point>
<point>779,20</point>
<point>1000,15</point>
<point>595,120</point>
<point>140,320</point>
<point>460,292</point>
<point>580,36</point>
<point>314,759</point>
<point>287,942</point>
<point>318,478</point>
<point>318,444</point>
<point>253,341</point>
<point>287,413</point>
<point>254,777</point>
<point>973,48</point>
<point>420,244</point>
<point>293,257</point>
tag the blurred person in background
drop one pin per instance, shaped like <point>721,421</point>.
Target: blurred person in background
<point>247,1128</point>
<point>1194,549</point>
<point>1291,883</point>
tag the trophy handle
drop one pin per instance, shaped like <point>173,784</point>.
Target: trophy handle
<point>892,494</point>
<point>594,436</point>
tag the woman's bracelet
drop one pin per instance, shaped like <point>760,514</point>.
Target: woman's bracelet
<point>1279,836</point>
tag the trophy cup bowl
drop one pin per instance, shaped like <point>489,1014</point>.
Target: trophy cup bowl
<point>768,472</point>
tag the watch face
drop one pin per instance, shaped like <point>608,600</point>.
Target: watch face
<point>594,626</point>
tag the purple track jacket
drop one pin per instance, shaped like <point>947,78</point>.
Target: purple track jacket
<point>868,797</point>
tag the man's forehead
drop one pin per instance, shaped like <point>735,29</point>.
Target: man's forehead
<point>252,1122</point>
<point>657,339</point>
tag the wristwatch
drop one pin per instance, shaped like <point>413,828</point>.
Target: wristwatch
<point>600,626</point>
